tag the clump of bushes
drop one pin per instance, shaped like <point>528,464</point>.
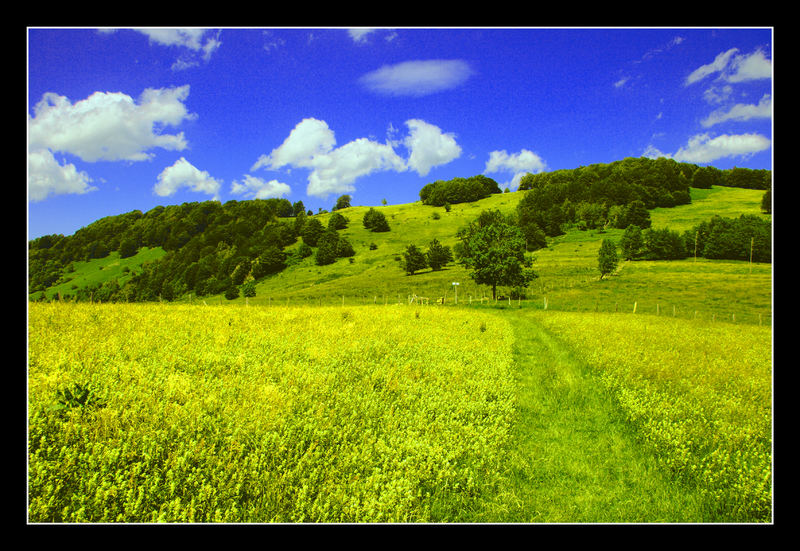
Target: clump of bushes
<point>458,190</point>
<point>375,221</point>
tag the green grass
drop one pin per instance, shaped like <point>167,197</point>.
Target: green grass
<point>574,458</point>
<point>722,201</point>
<point>574,455</point>
<point>567,268</point>
<point>377,275</point>
<point>99,270</point>
<point>697,395</point>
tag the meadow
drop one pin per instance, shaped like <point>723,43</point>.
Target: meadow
<point>698,396</point>
<point>568,278</point>
<point>264,415</point>
<point>645,396</point>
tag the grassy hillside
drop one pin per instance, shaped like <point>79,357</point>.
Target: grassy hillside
<point>510,413</point>
<point>377,275</point>
<point>99,270</point>
<point>567,268</point>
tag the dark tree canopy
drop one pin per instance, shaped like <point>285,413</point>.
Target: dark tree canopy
<point>342,202</point>
<point>208,245</point>
<point>414,259</point>
<point>631,242</point>
<point>458,190</point>
<point>375,220</point>
<point>607,258</point>
<point>493,249</point>
<point>438,255</point>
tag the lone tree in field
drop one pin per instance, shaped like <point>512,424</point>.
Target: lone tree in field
<point>438,255</point>
<point>607,257</point>
<point>342,202</point>
<point>375,221</point>
<point>414,259</point>
<point>494,250</point>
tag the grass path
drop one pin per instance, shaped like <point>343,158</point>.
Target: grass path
<point>574,459</point>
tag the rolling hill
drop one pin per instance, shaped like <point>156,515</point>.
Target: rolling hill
<point>567,268</point>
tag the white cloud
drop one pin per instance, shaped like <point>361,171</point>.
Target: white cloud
<point>359,35</point>
<point>749,67</point>
<point>718,94</point>
<point>741,112</point>
<point>256,188</point>
<point>309,139</point>
<point>517,164</point>
<point>703,148</point>
<point>734,68</point>
<point>716,66</point>
<point>336,171</point>
<point>110,126</point>
<point>187,38</point>
<point>417,78</point>
<point>312,145</point>
<point>47,177</point>
<point>183,174</point>
<point>191,40</point>
<point>429,146</point>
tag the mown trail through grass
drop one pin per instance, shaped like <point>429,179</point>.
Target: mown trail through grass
<point>574,460</point>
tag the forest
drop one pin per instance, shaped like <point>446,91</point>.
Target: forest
<point>213,248</point>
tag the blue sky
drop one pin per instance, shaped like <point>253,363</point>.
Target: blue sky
<point>124,119</point>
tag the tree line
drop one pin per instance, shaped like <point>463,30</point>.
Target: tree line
<point>214,248</point>
<point>748,237</point>
<point>211,248</point>
<point>458,190</point>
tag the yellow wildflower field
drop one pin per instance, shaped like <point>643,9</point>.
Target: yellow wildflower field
<point>189,413</point>
<point>699,394</point>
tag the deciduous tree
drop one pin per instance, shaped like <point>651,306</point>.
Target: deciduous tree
<point>414,259</point>
<point>494,252</point>
<point>438,255</point>
<point>607,257</point>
